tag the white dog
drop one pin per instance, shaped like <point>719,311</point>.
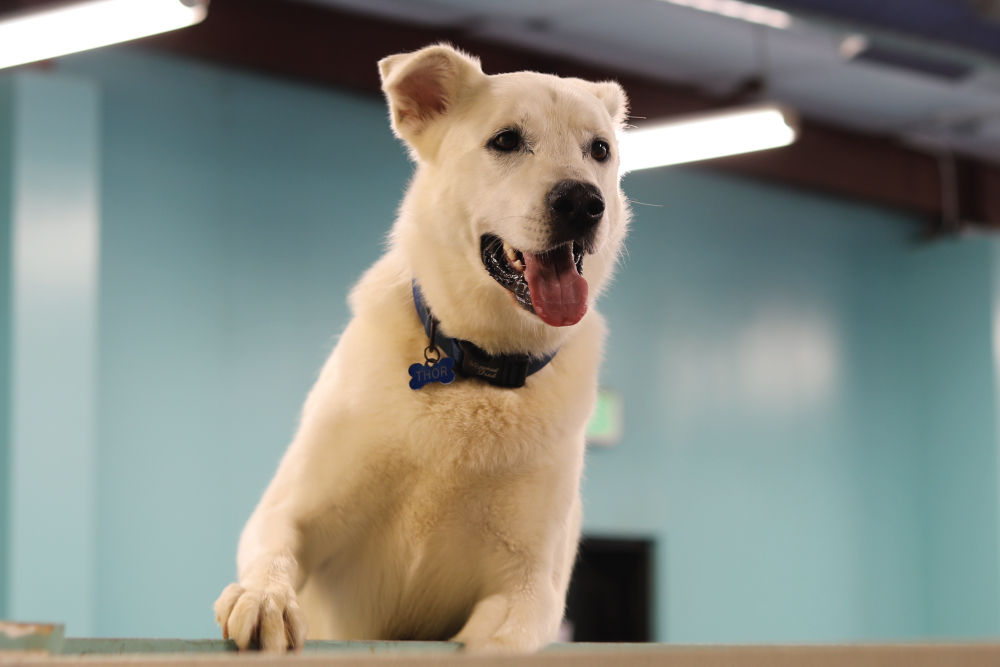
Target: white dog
<point>452,510</point>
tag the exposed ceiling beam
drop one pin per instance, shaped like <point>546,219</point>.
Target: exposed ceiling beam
<point>325,46</point>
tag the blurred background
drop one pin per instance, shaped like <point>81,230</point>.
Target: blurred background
<point>800,431</point>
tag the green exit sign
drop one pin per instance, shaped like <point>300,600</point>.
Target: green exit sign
<point>605,426</point>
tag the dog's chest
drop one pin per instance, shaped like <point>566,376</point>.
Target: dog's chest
<point>477,466</point>
<point>476,427</point>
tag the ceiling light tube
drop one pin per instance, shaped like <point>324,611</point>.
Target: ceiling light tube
<point>48,33</point>
<point>743,11</point>
<point>707,136</point>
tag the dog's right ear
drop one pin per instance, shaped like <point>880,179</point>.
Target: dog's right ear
<point>424,85</point>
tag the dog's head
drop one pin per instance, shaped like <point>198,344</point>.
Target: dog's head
<point>517,177</point>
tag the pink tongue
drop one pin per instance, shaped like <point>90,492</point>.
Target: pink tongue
<point>558,291</point>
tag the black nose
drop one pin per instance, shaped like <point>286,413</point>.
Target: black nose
<point>575,206</point>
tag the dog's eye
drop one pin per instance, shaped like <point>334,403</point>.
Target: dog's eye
<point>506,141</point>
<point>599,150</point>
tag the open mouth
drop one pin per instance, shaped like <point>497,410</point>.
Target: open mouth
<point>549,284</point>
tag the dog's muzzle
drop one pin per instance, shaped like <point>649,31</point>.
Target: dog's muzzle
<point>550,282</point>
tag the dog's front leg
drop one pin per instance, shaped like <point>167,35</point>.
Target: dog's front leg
<point>262,609</point>
<point>523,611</point>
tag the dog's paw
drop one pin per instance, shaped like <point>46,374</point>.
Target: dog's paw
<point>504,641</point>
<point>268,619</point>
<point>497,646</point>
<point>499,626</point>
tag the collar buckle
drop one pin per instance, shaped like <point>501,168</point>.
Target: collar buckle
<point>509,370</point>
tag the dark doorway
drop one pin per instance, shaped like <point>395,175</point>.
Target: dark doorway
<point>610,596</point>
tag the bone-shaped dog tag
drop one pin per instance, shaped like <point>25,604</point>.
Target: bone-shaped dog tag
<point>442,370</point>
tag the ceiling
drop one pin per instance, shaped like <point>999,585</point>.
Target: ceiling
<point>930,75</point>
<point>911,120</point>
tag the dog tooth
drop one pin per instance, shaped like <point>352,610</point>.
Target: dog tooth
<point>512,257</point>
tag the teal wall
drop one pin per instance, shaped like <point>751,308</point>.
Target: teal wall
<point>810,422</point>
<point>6,125</point>
<point>53,269</point>
<point>956,409</point>
<point>809,396</point>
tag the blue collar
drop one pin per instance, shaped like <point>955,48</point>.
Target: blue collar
<point>505,370</point>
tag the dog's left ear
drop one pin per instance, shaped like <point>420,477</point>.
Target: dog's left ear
<point>614,98</point>
<point>424,85</point>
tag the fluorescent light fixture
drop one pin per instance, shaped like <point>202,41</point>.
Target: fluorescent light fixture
<point>56,31</point>
<point>707,136</point>
<point>744,11</point>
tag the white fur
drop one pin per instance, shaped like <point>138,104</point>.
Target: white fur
<point>452,511</point>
